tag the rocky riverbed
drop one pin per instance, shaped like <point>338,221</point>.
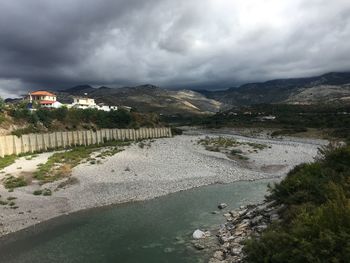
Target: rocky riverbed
<point>139,173</point>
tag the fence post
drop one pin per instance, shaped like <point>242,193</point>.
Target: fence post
<point>2,147</point>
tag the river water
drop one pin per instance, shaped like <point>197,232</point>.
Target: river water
<point>152,231</point>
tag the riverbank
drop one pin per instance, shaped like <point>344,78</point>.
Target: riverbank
<point>241,224</point>
<point>144,172</point>
<point>305,217</point>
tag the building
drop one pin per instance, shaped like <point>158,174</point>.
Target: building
<point>44,99</point>
<point>103,107</point>
<point>41,96</point>
<point>83,103</point>
<point>54,105</point>
<point>88,103</point>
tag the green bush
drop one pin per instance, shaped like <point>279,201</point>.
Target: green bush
<point>37,192</point>
<point>315,226</point>
<point>2,104</point>
<point>47,192</point>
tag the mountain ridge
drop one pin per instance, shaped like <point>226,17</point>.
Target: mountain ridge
<point>282,90</point>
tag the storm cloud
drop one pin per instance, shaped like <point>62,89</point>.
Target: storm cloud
<point>50,44</point>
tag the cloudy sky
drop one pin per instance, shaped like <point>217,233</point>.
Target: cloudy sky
<point>50,44</point>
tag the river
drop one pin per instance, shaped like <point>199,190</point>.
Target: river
<point>153,231</point>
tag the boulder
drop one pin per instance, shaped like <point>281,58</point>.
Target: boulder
<point>198,234</point>
<point>198,246</point>
<point>219,255</point>
<point>222,206</point>
<point>256,220</point>
<point>274,217</point>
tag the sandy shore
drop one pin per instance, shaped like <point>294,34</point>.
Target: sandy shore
<point>168,165</point>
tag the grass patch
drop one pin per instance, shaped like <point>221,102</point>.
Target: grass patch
<point>7,160</point>
<point>230,146</point>
<point>258,146</point>
<point>12,203</point>
<point>236,151</point>
<point>12,182</point>
<point>60,165</point>
<point>218,141</point>
<point>3,202</point>
<point>44,192</point>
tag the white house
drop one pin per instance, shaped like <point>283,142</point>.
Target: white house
<point>83,103</point>
<point>41,96</point>
<point>88,103</point>
<point>44,98</point>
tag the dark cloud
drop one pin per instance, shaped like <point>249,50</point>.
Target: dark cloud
<point>185,43</point>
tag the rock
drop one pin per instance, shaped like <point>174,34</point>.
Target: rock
<point>219,255</point>
<point>261,228</point>
<point>214,260</point>
<point>229,226</point>
<point>236,251</point>
<point>256,220</point>
<point>234,213</point>
<point>199,246</point>
<point>274,217</point>
<point>228,217</point>
<point>242,212</point>
<point>226,238</point>
<point>222,206</point>
<point>169,249</point>
<point>198,234</point>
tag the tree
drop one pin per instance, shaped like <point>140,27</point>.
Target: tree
<point>2,104</point>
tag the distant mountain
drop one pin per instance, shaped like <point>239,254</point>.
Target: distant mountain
<point>327,88</point>
<point>81,89</point>
<point>147,98</point>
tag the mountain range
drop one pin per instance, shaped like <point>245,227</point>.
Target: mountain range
<point>328,88</point>
<point>147,98</point>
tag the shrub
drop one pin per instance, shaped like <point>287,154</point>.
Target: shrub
<point>37,192</point>
<point>315,225</point>
<point>11,203</point>
<point>47,192</point>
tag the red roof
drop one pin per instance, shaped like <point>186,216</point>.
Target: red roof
<point>47,102</point>
<point>42,93</point>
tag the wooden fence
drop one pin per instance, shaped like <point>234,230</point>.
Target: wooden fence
<point>12,144</point>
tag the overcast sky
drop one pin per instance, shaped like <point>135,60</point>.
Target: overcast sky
<point>50,44</point>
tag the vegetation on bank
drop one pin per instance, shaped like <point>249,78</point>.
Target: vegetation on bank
<point>60,164</point>
<point>289,119</point>
<point>43,120</point>
<point>11,182</point>
<point>231,147</point>
<point>7,160</point>
<point>315,224</point>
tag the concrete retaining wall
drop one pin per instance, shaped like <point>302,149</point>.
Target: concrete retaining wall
<point>12,144</point>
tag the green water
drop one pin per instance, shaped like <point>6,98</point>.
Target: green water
<point>150,231</point>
